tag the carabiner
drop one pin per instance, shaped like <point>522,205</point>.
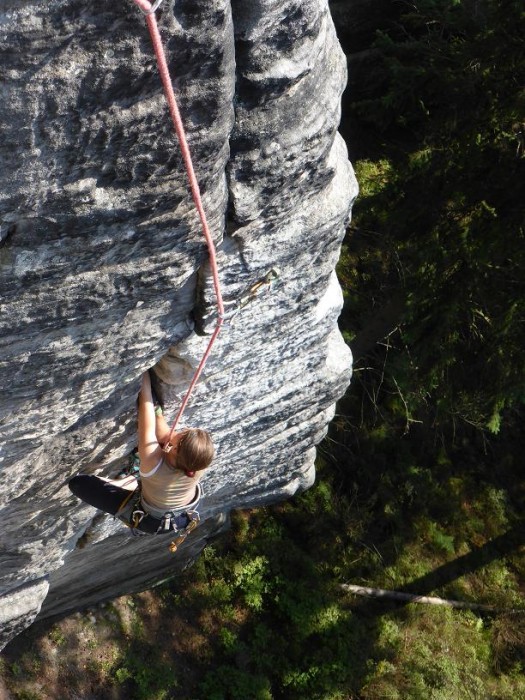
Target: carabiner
<point>153,8</point>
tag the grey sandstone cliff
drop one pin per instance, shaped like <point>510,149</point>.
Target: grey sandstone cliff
<point>103,270</point>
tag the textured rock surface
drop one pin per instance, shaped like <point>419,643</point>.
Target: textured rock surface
<point>103,270</point>
<point>19,608</point>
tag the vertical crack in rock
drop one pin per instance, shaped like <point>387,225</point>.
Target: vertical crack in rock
<point>103,272</point>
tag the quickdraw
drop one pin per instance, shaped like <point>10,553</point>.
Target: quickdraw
<point>264,284</point>
<point>194,521</point>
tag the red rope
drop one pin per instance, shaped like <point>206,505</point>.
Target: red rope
<point>162,64</point>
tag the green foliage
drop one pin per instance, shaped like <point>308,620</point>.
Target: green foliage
<point>439,539</point>
<point>122,675</point>
<point>298,636</point>
<point>443,656</point>
<point>250,578</point>
<point>301,639</point>
<point>28,695</point>
<point>440,212</point>
<point>146,672</point>
<point>228,639</point>
<point>266,604</point>
<point>227,683</point>
<point>57,637</point>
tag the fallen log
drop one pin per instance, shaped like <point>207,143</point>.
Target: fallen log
<point>412,597</point>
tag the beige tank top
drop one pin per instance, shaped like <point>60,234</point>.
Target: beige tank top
<point>164,488</point>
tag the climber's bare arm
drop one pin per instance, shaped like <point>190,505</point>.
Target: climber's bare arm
<point>162,430</point>
<point>150,451</point>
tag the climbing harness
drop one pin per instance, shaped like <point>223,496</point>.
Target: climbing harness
<point>264,284</point>
<point>180,521</point>
<point>149,10</point>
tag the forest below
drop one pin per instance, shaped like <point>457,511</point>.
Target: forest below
<point>420,481</point>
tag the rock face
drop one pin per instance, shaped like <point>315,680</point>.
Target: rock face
<point>103,269</point>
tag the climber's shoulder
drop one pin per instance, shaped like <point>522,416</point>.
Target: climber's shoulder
<point>150,456</point>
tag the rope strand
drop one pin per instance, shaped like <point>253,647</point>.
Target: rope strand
<point>169,93</point>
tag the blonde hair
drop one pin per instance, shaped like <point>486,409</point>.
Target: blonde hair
<point>195,450</point>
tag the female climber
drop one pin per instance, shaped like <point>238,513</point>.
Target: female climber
<point>168,491</point>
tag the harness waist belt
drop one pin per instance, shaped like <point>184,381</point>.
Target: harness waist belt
<point>159,513</point>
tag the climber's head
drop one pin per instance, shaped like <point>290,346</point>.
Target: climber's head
<point>191,450</point>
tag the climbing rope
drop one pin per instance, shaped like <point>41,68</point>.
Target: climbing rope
<point>149,10</point>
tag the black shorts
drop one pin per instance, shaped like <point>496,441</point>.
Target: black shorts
<point>108,497</point>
